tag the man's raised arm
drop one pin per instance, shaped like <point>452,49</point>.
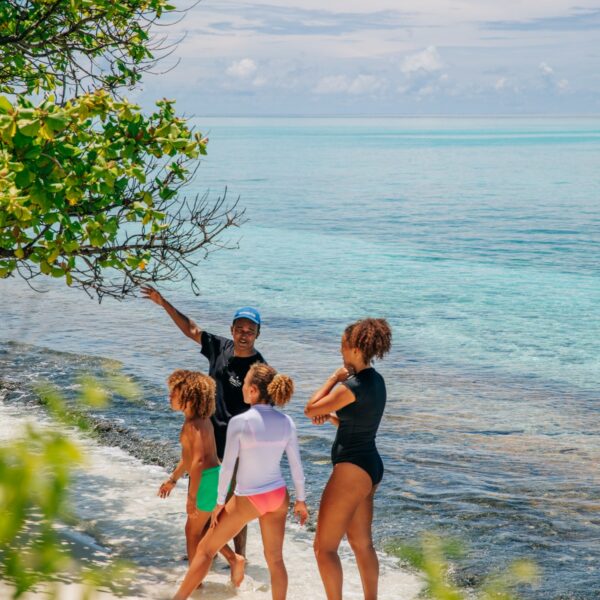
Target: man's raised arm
<point>187,326</point>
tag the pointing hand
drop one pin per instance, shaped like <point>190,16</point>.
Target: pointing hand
<point>152,294</point>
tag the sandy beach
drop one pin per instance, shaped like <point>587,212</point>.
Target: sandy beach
<point>120,516</point>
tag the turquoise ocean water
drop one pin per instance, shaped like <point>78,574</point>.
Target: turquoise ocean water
<point>479,241</point>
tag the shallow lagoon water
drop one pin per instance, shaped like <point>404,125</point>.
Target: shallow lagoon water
<point>477,239</point>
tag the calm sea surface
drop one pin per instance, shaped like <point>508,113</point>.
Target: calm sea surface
<point>479,241</point>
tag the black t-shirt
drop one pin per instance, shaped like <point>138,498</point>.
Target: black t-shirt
<point>229,372</point>
<point>359,420</point>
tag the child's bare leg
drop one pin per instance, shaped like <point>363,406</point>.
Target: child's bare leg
<point>272,528</point>
<point>239,540</point>
<point>238,511</point>
<point>194,530</point>
<point>236,562</point>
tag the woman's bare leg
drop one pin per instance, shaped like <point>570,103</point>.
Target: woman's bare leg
<point>361,541</point>
<point>346,489</point>
<point>272,529</point>
<point>238,511</point>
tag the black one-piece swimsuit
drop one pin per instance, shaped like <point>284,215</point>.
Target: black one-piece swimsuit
<point>359,421</point>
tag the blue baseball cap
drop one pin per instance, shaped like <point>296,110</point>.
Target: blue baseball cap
<point>247,312</point>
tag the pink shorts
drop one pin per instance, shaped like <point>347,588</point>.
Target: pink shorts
<point>268,501</point>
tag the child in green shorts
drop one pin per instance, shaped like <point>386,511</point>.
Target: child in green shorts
<point>193,394</point>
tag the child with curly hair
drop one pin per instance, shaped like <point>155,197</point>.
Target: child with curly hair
<point>193,394</point>
<point>353,399</point>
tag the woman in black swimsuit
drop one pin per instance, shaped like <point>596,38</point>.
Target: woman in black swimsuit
<point>356,407</point>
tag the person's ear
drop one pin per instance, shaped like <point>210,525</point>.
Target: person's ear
<point>258,331</point>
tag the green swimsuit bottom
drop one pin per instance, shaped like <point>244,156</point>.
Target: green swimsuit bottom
<point>206,499</point>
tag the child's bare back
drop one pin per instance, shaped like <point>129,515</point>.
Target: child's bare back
<point>198,446</point>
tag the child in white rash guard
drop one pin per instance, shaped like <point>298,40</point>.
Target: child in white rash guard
<point>259,437</point>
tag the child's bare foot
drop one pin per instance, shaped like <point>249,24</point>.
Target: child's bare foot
<point>237,565</point>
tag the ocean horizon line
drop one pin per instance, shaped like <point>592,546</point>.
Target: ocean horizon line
<point>396,116</point>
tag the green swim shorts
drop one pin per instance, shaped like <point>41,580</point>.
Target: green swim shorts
<point>206,499</point>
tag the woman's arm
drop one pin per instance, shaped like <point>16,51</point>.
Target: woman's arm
<point>331,418</point>
<point>330,397</point>
<point>334,419</point>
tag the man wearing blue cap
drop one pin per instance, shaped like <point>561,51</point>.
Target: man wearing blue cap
<point>228,360</point>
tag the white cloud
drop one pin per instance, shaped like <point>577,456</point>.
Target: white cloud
<point>332,84</point>
<point>366,84</point>
<point>426,61</point>
<point>357,86</point>
<point>242,69</point>
<point>551,78</point>
<point>259,81</point>
<point>297,58</point>
<point>427,90</point>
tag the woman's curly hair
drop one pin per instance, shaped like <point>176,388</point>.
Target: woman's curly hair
<point>373,337</point>
<point>274,387</point>
<point>197,390</point>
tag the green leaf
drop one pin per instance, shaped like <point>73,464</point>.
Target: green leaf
<point>5,105</point>
<point>29,127</point>
<point>57,122</point>
<point>24,178</point>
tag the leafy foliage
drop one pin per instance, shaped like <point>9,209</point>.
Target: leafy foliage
<point>431,557</point>
<point>34,477</point>
<point>89,185</point>
<point>88,190</point>
<point>50,44</point>
<point>35,474</point>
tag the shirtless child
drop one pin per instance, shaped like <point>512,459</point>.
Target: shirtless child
<point>193,394</point>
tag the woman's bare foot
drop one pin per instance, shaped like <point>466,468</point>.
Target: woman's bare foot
<point>237,565</point>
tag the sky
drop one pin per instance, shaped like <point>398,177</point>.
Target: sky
<point>383,57</point>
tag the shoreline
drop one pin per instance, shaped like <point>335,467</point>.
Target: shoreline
<point>119,515</point>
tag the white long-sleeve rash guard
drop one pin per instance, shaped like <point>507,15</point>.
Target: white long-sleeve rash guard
<point>258,438</point>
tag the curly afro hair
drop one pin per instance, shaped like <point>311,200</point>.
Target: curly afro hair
<point>197,390</point>
<point>373,337</point>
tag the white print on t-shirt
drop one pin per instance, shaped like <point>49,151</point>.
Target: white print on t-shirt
<point>234,380</point>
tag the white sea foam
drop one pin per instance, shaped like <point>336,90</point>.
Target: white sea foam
<point>119,513</point>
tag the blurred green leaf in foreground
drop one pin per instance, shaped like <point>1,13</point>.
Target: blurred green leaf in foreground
<point>431,558</point>
<point>36,471</point>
